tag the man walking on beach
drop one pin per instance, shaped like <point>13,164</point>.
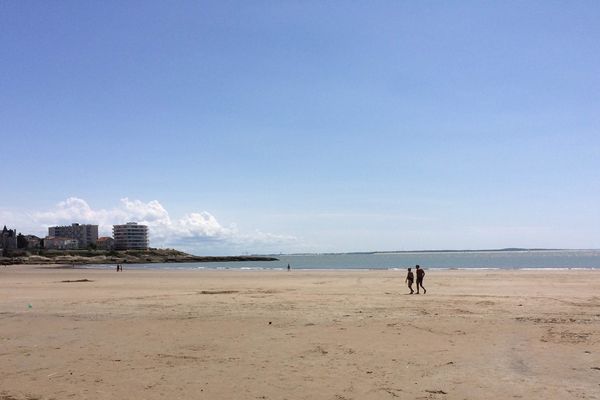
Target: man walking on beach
<point>409,279</point>
<point>420,276</point>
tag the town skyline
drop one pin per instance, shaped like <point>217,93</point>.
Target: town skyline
<point>155,217</point>
<point>76,236</point>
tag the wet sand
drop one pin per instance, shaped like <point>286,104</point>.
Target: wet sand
<point>298,335</point>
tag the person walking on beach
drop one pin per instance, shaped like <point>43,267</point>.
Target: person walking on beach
<point>409,279</point>
<point>289,267</point>
<point>420,276</point>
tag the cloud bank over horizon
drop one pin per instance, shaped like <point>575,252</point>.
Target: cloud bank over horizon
<point>195,232</point>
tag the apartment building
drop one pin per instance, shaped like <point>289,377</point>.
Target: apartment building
<point>130,236</point>
<point>85,234</point>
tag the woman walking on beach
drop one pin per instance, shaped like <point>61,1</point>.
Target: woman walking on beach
<point>409,279</point>
<point>420,276</point>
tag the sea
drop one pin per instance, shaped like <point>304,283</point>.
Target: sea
<point>519,259</point>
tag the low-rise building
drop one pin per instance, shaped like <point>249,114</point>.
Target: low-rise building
<point>28,242</point>
<point>105,243</point>
<point>85,234</point>
<point>60,243</point>
<point>130,236</point>
<point>33,242</point>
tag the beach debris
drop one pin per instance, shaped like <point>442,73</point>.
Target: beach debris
<point>436,392</point>
<point>270,322</point>
<point>76,280</point>
<point>596,368</point>
<point>392,391</point>
<point>217,291</point>
<point>5,396</point>
<point>29,305</point>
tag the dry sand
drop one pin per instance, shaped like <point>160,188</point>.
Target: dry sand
<point>298,335</point>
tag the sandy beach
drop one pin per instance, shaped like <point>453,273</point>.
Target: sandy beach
<point>336,335</point>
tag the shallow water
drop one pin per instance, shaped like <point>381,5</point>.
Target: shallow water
<point>551,259</point>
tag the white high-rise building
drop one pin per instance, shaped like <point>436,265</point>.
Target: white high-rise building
<point>130,236</point>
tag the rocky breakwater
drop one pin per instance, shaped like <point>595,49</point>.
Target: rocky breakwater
<point>114,257</point>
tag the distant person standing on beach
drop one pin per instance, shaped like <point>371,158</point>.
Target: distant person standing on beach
<point>409,279</point>
<point>420,276</point>
<point>289,267</point>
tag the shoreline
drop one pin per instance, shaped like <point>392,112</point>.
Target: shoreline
<point>173,267</point>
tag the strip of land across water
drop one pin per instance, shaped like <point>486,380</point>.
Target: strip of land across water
<point>78,257</point>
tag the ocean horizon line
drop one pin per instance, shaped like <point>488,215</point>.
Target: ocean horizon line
<point>507,249</point>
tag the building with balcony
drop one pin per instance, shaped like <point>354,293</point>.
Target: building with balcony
<point>85,234</point>
<point>130,236</point>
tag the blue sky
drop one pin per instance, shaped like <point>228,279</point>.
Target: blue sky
<point>235,127</point>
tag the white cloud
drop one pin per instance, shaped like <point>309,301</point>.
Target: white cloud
<point>151,212</point>
<point>203,224</point>
<point>198,232</point>
<point>78,210</point>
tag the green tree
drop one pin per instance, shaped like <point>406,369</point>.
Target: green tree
<point>21,241</point>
